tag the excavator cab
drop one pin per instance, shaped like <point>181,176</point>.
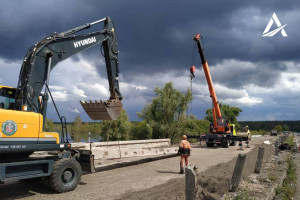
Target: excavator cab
<point>7,97</point>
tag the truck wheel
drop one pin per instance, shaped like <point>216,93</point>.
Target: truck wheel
<point>233,143</point>
<point>225,143</point>
<point>210,144</point>
<point>65,176</point>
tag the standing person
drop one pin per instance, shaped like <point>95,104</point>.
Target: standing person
<point>184,151</point>
<point>72,136</point>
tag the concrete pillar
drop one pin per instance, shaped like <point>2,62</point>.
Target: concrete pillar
<point>190,183</point>
<point>259,159</point>
<point>280,139</point>
<point>237,173</point>
<point>276,148</point>
<point>295,146</point>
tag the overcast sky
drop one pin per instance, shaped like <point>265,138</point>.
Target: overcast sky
<point>261,75</point>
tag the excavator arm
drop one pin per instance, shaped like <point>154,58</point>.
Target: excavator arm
<point>45,55</point>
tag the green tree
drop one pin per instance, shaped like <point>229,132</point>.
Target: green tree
<point>228,112</point>
<point>203,126</point>
<point>49,125</point>
<point>269,125</point>
<point>77,124</point>
<point>95,129</point>
<point>118,129</point>
<point>285,127</point>
<point>141,131</point>
<point>278,128</point>
<point>84,131</point>
<point>166,113</point>
<point>193,126</point>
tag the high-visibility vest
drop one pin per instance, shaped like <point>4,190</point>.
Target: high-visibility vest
<point>185,144</point>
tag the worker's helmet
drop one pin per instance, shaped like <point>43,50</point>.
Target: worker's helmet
<point>184,137</point>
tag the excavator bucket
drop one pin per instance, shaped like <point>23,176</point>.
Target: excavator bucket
<point>103,110</point>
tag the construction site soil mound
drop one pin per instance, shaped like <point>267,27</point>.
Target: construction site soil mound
<point>212,183</point>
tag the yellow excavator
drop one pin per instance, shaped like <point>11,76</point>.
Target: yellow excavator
<point>23,109</point>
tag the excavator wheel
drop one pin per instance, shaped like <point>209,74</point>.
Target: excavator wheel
<point>65,176</point>
<point>107,110</point>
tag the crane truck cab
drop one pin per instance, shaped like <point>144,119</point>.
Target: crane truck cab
<point>23,110</point>
<point>232,129</point>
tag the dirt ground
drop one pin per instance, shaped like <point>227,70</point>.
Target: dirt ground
<point>212,183</point>
<point>153,180</point>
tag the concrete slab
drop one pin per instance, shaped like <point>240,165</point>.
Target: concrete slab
<point>126,149</point>
<point>103,165</point>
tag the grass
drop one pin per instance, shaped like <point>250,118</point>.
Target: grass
<point>288,189</point>
<point>273,177</point>
<point>260,132</point>
<point>290,140</point>
<point>242,194</point>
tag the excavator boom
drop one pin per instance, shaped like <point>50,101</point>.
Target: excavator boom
<point>45,55</point>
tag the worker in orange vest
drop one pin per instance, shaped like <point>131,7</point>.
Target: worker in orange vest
<point>184,151</point>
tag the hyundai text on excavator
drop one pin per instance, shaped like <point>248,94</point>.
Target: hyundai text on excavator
<point>221,131</point>
<point>23,110</point>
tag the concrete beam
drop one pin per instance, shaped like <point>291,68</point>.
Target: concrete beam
<point>123,149</point>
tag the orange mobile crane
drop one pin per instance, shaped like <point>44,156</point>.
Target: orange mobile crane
<point>221,131</point>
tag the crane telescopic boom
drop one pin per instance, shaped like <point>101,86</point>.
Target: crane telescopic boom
<point>219,125</point>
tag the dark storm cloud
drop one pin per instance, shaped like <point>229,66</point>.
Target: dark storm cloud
<point>155,37</point>
<point>153,34</point>
<point>236,74</point>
